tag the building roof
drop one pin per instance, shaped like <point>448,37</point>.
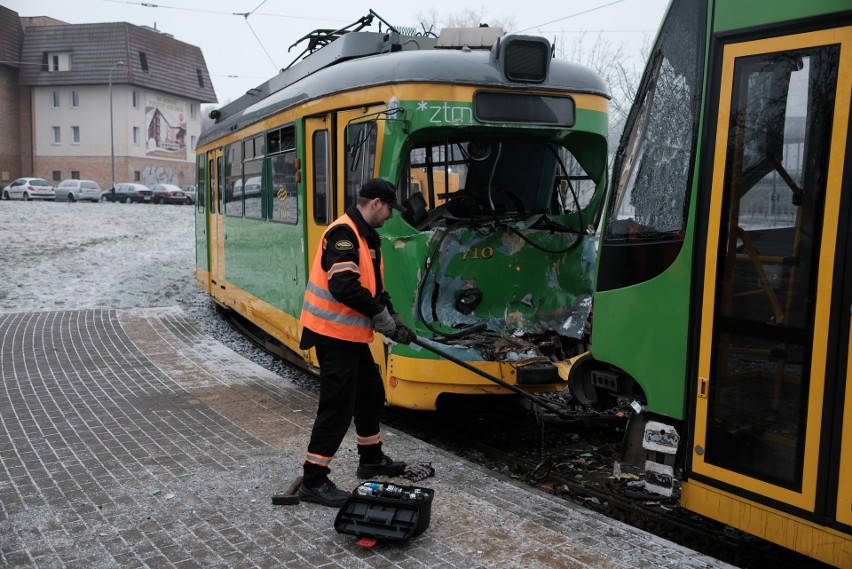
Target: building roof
<point>11,34</point>
<point>152,59</point>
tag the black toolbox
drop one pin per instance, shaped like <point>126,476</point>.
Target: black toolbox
<point>380,510</point>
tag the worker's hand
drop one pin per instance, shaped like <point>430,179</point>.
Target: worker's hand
<point>403,335</point>
<point>383,323</point>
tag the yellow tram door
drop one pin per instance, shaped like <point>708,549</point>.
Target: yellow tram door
<point>357,148</point>
<point>319,182</point>
<point>771,452</point>
<point>340,156</point>
<point>215,171</point>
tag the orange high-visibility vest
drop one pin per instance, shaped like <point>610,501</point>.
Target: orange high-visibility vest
<point>323,313</point>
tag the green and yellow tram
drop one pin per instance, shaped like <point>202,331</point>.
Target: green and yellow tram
<point>723,296</point>
<point>498,151</point>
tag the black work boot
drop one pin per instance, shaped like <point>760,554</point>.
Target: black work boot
<point>326,494</point>
<point>383,466</point>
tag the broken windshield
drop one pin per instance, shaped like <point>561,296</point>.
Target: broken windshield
<point>470,178</point>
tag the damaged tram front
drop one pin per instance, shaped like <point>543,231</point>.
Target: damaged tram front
<point>496,254</point>
<point>499,154</point>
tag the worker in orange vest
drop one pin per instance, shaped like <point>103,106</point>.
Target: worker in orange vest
<point>344,303</point>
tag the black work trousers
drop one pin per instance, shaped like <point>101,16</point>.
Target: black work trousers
<point>350,386</point>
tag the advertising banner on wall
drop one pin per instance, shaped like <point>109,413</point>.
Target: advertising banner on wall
<point>165,119</point>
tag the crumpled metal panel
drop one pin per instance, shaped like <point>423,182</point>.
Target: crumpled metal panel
<point>532,299</point>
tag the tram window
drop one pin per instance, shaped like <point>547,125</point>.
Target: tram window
<point>496,177</point>
<point>651,173</point>
<point>200,183</point>
<point>285,191</point>
<point>321,181</point>
<point>233,181</point>
<point>360,158</point>
<point>253,198</point>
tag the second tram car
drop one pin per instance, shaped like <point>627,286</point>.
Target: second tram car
<point>724,290</point>
<point>499,152</point>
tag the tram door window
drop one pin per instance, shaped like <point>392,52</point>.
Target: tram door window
<point>233,180</point>
<point>770,263</point>
<point>322,194</point>
<point>360,158</point>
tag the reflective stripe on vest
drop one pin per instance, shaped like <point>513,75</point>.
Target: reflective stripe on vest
<point>323,313</point>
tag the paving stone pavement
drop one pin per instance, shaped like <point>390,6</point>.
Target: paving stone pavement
<point>130,439</point>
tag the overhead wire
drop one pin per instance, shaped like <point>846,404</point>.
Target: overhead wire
<point>571,16</point>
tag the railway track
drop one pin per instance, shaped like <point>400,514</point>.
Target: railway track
<point>571,459</point>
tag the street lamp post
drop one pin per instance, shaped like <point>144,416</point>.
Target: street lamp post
<point>111,136</point>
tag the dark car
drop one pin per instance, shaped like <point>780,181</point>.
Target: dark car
<point>129,192</point>
<point>169,193</point>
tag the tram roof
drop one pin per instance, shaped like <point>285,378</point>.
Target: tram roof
<point>333,73</point>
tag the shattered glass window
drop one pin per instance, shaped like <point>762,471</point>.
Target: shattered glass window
<point>651,174</point>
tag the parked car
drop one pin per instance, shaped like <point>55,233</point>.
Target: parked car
<point>168,193</point>
<point>190,191</point>
<point>127,192</point>
<point>76,190</point>
<point>29,189</point>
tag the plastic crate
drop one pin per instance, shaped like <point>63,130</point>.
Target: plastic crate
<point>389,512</point>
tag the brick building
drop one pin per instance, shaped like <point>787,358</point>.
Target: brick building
<point>66,88</point>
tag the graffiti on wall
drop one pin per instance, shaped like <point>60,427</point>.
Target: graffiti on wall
<point>165,119</point>
<point>159,175</point>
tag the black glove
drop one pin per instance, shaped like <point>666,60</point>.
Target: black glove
<point>384,324</point>
<point>403,335</point>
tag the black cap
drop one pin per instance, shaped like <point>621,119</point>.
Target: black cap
<point>382,189</point>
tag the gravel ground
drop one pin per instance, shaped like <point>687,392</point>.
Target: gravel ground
<point>74,256</point>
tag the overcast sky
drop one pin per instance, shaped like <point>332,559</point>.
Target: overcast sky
<point>242,52</point>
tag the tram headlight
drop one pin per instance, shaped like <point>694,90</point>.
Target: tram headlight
<point>468,300</point>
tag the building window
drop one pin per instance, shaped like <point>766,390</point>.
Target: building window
<point>57,175</point>
<point>192,110</point>
<point>192,141</point>
<point>75,174</point>
<point>56,99</point>
<point>200,78</point>
<point>57,138</point>
<point>136,135</point>
<point>137,176</point>
<point>75,135</point>
<point>75,99</point>
<point>54,63</point>
<point>135,100</point>
<point>143,61</point>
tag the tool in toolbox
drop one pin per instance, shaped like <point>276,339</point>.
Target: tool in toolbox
<point>290,497</point>
<point>382,511</point>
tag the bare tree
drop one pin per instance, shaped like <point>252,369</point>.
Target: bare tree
<point>613,63</point>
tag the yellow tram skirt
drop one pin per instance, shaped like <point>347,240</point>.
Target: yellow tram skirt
<point>789,531</point>
<point>416,383</point>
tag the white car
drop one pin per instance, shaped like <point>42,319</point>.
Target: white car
<point>29,189</point>
<point>76,190</point>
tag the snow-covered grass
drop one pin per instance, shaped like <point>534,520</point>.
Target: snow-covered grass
<point>61,255</point>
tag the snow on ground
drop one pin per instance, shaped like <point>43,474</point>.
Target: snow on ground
<point>74,256</point>
<point>61,255</point>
